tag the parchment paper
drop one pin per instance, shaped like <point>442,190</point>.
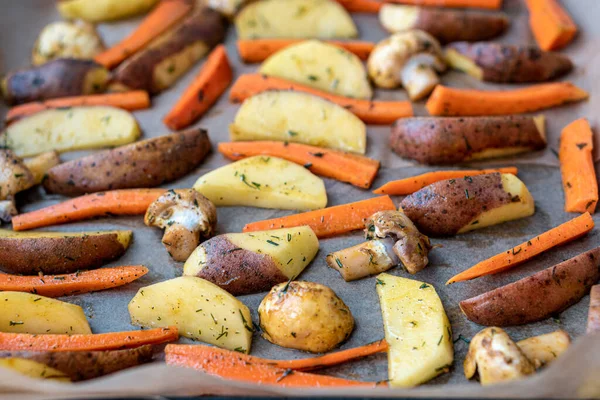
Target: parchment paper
<point>576,374</point>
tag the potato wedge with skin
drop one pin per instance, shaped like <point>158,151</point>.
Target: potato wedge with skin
<point>103,10</point>
<point>322,66</point>
<point>417,330</point>
<point>55,253</point>
<point>445,25</point>
<point>171,55</point>
<point>462,205</point>
<point>33,369</point>
<point>65,39</point>
<point>300,118</point>
<point>593,322</point>
<point>199,309</point>
<point>59,78</point>
<point>41,164</point>
<point>543,349</point>
<point>323,19</point>
<point>77,128</point>
<point>266,182</point>
<point>451,140</point>
<point>31,313</point>
<point>501,63</point>
<point>538,296</point>
<point>148,163</point>
<point>244,263</point>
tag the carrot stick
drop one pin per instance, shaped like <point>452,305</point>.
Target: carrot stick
<point>329,221</point>
<point>577,167</point>
<point>463,102</point>
<point>557,236</point>
<point>489,4</point>
<point>164,15</point>
<point>212,80</point>
<point>94,342</point>
<point>66,285</point>
<point>413,184</point>
<point>305,364</point>
<point>371,112</point>
<point>366,6</point>
<point>357,170</point>
<point>116,202</point>
<point>258,50</point>
<point>551,25</point>
<point>131,101</point>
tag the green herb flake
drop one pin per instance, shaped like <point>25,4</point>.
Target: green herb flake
<point>13,323</point>
<point>289,237</point>
<point>313,78</point>
<point>424,286</point>
<point>339,263</point>
<point>379,282</point>
<point>272,242</point>
<point>292,133</point>
<point>440,341</point>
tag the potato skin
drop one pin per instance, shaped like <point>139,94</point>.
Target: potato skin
<point>83,365</point>
<point>538,296</point>
<point>504,63</point>
<point>58,78</point>
<point>444,207</point>
<point>451,140</point>
<point>457,25</point>
<point>143,164</point>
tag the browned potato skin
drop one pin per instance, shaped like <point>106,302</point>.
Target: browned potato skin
<point>143,164</point>
<point>452,140</point>
<point>443,208</point>
<point>538,296</point>
<point>59,78</point>
<point>83,365</point>
<point>593,323</point>
<point>457,25</point>
<point>504,63</point>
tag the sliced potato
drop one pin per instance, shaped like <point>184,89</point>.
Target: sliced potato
<point>593,322</point>
<point>244,263</point>
<point>543,349</point>
<point>322,66</point>
<point>33,369</point>
<point>199,309</point>
<point>417,330</point>
<point>39,165</point>
<point>30,313</point>
<point>267,182</point>
<point>66,40</point>
<point>301,118</point>
<point>103,10</point>
<point>78,128</point>
<point>294,19</point>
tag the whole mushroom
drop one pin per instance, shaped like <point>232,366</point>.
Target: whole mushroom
<point>186,216</point>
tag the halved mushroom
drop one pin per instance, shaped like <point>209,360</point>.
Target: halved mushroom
<point>14,178</point>
<point>186,216</point>
<point>543,349</point>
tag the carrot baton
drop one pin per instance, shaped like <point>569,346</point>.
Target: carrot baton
<point>557,236</point>
<point>551,25</point>
<point>366,6</point>
<point>448,101</point>
<point>94,342</point>
<point>69,284</point>
<point>488,4</point>
<point>357,170</point>
<point>116,202</point>
<point>329,221</point>
<point>258,50</point>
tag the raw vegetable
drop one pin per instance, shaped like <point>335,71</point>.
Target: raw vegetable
<point>33,369</point>
<point>362,6</point>
<point>543,349</point>
<point>103,10</point>
<point>489,4</point>
<point>65,39</point>
<point>258,50</point>
<point>41,164</point>
<point>593,322</point>
<point>552,27</point>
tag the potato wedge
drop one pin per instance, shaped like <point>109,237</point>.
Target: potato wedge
<point>462,205</point>
<point>41,164</point>
<point>543,349</point>
<point>323,66</point>
<point>593,322</point>
<point>31,313</point>
<point>59,78</point>
<point>501,63</point>
<point>78,128</point>
<point>54,253</point>
<point>300,118</point>
<point>266,182</point>
<point>103,10</point>
<point>451,140</point>
<point>143,164</point>
<point>65,39</point>
<point>228,8</point>
<point>323,19</point>
<point>417,330</point>
<point>538,296</point>
<point>198,308</point>
<point>33,369</point>
<point>171,55</point>
<point>244,263</point>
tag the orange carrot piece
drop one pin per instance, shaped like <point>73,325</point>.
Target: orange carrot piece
<point>577,167</point>
<point>357,170</point>
<point>413,184</point>
<point>329,221</point>
<point>116,202</point>
<point>371,112</point>
<point>212,80</point>
<point>489,4</point>
<point>366,6</point>
<point>557,236</point>
<point>470,102</point>
<point>80,282</point>
<point>93,342</point>
<point>131,101</point>
<point>551,25</point>
<point>258,50</point>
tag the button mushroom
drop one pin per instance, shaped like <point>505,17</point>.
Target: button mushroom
<point>187,216</point>
<point>411,59</point>
<point>14,177</point>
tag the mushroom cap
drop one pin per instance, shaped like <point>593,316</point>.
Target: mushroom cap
<point>14,175</point>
